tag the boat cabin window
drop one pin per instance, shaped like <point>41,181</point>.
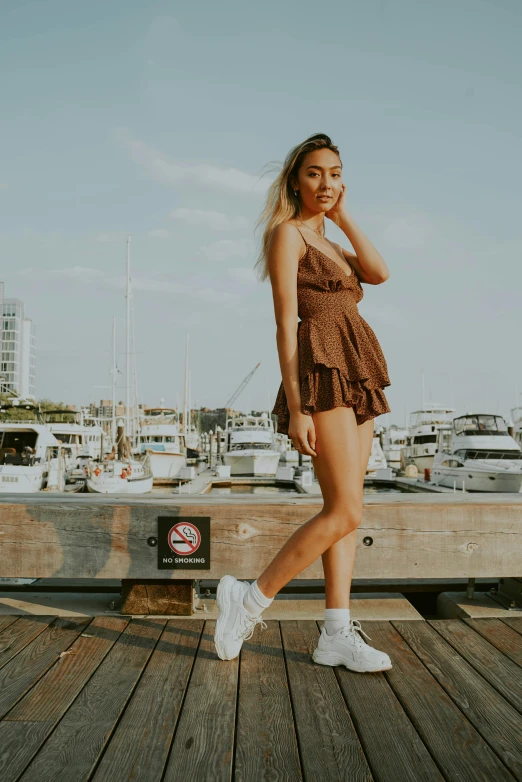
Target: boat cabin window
<point>18,440</point>
<point>13,447</point>
<point>158,439</point>
<point>424,438</point>
<point>484,454</point>
<point>247,446</point>
<point>473,425</point>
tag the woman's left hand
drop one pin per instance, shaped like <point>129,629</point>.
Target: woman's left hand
<point>339,207</point>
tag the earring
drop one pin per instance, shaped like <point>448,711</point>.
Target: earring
<point>295,192</point>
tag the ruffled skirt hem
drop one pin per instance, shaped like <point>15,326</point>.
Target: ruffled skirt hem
<point>327,387</point>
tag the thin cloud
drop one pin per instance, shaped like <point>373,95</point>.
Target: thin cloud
<point>159,167</point>
<point>80,275</point>
<point>218,221</point>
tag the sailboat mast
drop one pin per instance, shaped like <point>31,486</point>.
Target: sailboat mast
<point>185,386</point>
<point>127,343</point>
<point>113,423</point>
<point>189,400</point>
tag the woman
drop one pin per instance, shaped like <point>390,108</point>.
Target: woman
<point>333,372</point>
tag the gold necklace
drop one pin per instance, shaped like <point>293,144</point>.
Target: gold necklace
<point>317,231</point>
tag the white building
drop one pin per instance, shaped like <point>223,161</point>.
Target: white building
<point>18,348</point>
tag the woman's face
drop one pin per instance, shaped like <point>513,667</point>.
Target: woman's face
<point>319,180</point>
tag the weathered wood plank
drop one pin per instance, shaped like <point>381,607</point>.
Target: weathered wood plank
<point>393,748</point>
<point>328,743</point>
<point>75,746</point>
<point>459,751</point>
<point>6,621</point>
<point>204,741</point>
<point>441,537</point>
<point>503,637</point>
<point>19,634</point>
<point>266,744</point>
<point>29,665</point>
<point>515,623</point>
<point>139,748</point>
<point>29,723</point>
<point>498,723</point>
<point>503,674</point>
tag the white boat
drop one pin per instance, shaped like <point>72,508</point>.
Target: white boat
<point>393,441</point>
<point>250,445</point>
<point>377,459</point>
<point>84,440</point>
<point>429,431</point>
<point>120,476</point>
<point>161,439</point>
<point>516,415</point>
<point>482,456</point>
<point>30,459</point>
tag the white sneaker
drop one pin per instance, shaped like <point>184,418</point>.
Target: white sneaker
<point>235,624</point>
<point>346,647</point>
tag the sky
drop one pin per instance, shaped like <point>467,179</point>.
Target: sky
<point>157,120</point>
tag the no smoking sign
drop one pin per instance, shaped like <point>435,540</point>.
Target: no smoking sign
<point>184,542</point>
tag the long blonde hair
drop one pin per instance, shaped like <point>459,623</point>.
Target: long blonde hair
<point>281,201</point>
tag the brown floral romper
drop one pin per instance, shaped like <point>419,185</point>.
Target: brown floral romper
<point>341,363</point>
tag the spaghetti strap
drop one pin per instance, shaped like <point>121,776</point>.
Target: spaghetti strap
<point>304,240</point>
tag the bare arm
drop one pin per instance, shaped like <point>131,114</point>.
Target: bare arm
<point>285,249</point>
<point>367,262</point>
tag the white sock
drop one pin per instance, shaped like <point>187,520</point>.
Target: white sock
<point>255,601</point>
<point>335,618</point>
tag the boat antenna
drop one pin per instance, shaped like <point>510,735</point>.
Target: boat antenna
<point>127,342</point>
<point>113,423</point>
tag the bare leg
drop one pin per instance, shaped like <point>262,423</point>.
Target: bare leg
<point>339,559</point>
<point>338,468</point>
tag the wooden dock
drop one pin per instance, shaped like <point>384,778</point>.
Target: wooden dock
<point>146,699</point>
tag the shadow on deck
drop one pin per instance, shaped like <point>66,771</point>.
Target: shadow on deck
<point>109,698</point>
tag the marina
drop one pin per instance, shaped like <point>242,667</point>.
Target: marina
<point>260,403</point>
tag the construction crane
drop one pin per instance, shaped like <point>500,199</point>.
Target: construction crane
<point>241,387</point>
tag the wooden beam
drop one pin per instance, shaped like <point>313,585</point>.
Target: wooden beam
<point>419,537</point>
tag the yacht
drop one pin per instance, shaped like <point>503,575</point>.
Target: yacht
<point>393,441</point>
<point>30,458</point>
<point>161,438</point>
<point>250,445</point>
<point>482,456</point>
<point>69,427</point>
<point>429,430</point>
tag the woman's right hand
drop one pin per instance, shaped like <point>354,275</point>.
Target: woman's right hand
<point>301,431</point>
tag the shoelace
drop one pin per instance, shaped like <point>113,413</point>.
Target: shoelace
<point>352,630</point>
<point>250,623</point>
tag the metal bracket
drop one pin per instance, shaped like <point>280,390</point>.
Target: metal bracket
<point>508,593</point>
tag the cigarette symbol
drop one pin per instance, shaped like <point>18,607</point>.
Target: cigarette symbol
<point>190,535</point>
